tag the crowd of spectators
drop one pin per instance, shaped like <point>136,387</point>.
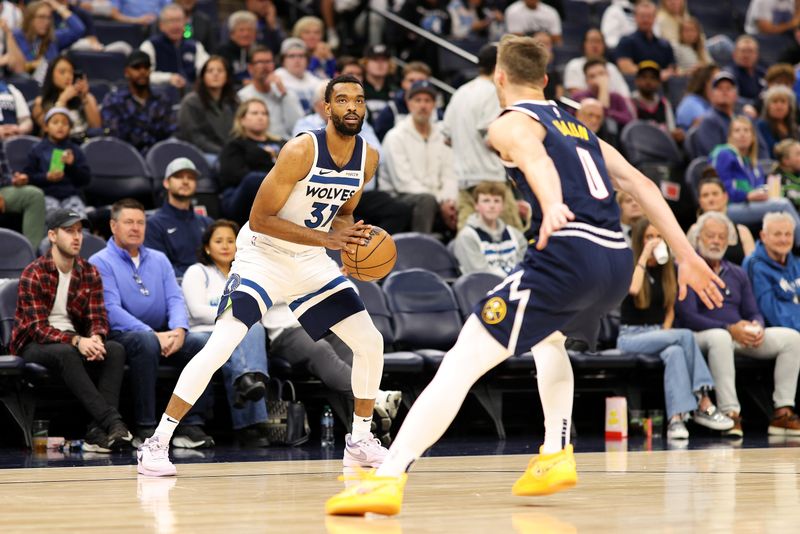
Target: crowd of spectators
<point>237,87</point>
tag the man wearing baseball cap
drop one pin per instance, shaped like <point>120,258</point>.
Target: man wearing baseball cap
<point>377,87</point>
<point>61,323</point>
<point>136,114</point>
<point>713,130</point>
<point>175,229</point>
<point>418,164</point>
<point>650,104</point>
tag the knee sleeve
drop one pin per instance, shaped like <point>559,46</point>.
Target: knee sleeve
<point>358,333</point>
<point>227,335</point>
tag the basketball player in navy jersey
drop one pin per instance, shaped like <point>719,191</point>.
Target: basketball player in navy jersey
<point>304,205</point>
<point>579,269</point>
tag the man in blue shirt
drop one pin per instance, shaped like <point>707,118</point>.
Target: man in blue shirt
<point>147,315</point>
<point>643,45</point>
<point>738,328</point>
<point>775,272</point>
<point>749,76</point>
<point>175,229</point>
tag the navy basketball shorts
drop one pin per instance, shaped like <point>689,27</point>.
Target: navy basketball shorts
<point>309,282</point>
<point>566,287</point>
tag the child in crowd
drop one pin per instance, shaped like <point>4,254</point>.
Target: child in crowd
<point>486,243</point>
<point>57,165</point>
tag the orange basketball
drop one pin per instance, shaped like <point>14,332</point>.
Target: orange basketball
<point>374,260</point>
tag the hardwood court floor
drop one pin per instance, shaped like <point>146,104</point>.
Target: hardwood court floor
<point>717,490</point>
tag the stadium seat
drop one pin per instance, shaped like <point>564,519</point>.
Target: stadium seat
<point>118,171</point>
<point>29,87</point>
<point>416,250</point>
<point>690,146</point>
<point>694,172</point>
<point>107,66</point>
<point>675,89</point>
<point>109,32</point>
<point>470,288</point>
<point>643,142</point>
<point>91,244</point>
<point>100,89</point>
<point>424,310</point>
<point>17,253</point>
<point>8,308</point>
<point>14,393</point>
<point>17,149</point>
<point>163,152</point>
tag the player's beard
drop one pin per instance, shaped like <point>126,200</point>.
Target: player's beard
<point>343,128</point>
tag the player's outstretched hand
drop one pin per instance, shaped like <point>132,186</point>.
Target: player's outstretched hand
<point>345,238</point>
<point>553,220</point>
<point>695,273</point>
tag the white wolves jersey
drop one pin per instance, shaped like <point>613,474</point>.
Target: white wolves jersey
<point>316,199</point>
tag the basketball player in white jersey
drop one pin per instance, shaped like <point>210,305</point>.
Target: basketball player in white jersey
<point>304,205</point>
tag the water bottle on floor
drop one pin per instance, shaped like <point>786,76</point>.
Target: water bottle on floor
<point>326,433</point>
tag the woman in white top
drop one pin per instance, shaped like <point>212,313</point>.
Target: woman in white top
<point>593,46</point>
<point>246,371</point>
<point>690,50</point>
<point>669,16</point>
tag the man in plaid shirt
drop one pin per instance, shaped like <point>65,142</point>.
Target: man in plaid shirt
<point>61,323</point>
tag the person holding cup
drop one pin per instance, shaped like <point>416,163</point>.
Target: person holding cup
<point>646,327</point>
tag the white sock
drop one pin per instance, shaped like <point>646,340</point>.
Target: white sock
<point>362,428</point>
<point>556,390</point>
<point>166,428</point>
<point>475,353</point>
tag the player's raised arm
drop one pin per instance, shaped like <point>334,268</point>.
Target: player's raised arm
<point>693,271</point>
<point>518,139</point>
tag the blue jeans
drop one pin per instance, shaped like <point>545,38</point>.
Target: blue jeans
<point>249,357</point>
<point>144,356</point>
<point>685,370</point>
<point>237,201</point>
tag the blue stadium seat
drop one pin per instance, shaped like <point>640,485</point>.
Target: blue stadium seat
<point>17,253</point>
<point>8,308</point>
<point>469,289</point>
<point>107,66</point>
<point>109,32</point>
<point>643,142</point>
<point>118,171</point>
<point>424,310</point>
<point>100,89</point>
<point>29,88</point>
<point>163,152</point>
<point>17,149</point>
<point>694,172</point>
<point>416,250</point>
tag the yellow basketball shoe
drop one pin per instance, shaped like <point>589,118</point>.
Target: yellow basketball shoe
<point>374,494</point>
<point>548,473</point>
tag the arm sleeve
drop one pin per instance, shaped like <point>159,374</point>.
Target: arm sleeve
<point>195,292</point>
<point>777,310</point>
<point>749,308</point>
<point>98,320</point>
<point>449,188</point>
<point>397,165</point>
<point>33,168</point>
<point>118,317</point>
<point>79,172</point>
<point>292,111</point>
<point>23,111</point>
<point>692,317</point>
<point>624,49</point>
<point>154,236</point>
<point>71,32</point>
<point>31,299</point>
<point>111,117</point>
<point>176,306</point>
<point>619,110</point>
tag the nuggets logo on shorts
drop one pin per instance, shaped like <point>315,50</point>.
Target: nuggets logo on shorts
<point>494,311</point>
<point>231,285</point>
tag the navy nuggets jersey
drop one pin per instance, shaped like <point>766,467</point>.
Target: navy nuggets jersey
<point>577,156</point>
<point>316,198</point>
<point>585,269</point>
